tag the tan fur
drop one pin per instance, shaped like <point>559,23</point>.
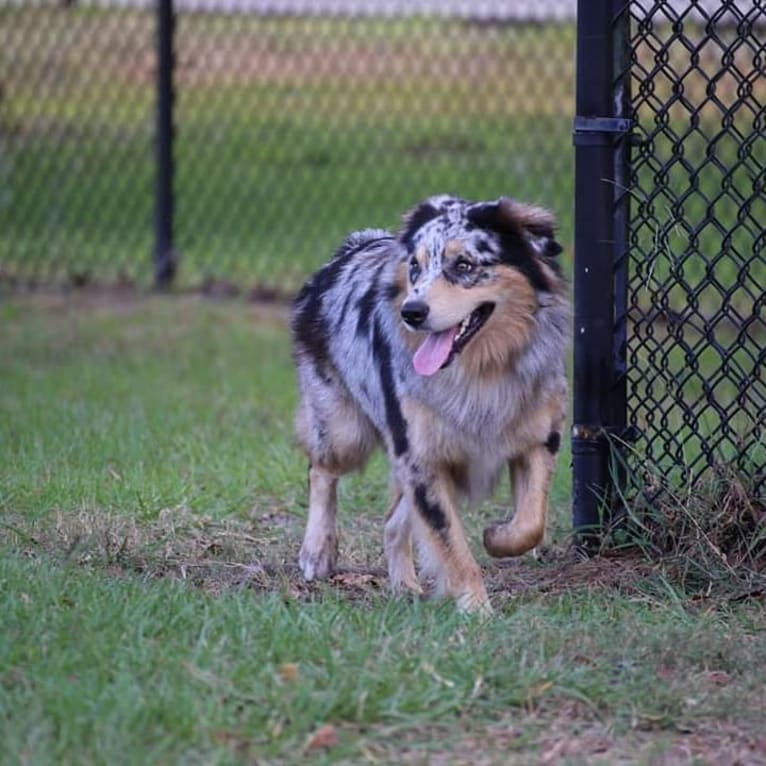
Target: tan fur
<point>531,473</point>
<point>453,249</point>
<point>397,542</point>
<point>508,329</point>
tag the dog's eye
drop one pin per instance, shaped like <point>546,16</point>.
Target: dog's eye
<point>414,269</point>
<point>462,266</point>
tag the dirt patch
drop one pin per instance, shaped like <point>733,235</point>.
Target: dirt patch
<point>563,570</point>
<point>260,554</point>
<point>714,743</point>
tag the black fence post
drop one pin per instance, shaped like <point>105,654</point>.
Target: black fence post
<point>599,386</point>
<point>618,414</point>
<point>164,251</point>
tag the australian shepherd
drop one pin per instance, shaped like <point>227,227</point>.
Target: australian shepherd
<point>445,343</point>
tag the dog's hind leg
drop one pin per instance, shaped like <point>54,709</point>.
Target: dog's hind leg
<point>397,542</point>
<point>531,476</point>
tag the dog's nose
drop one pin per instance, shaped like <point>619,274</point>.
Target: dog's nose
<point>414,313</point>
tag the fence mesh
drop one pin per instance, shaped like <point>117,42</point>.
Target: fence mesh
<point>291,129</point>
<point>76,104</point>
<point>697,261</point>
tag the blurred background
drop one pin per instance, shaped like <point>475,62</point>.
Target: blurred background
<point>296,121</point>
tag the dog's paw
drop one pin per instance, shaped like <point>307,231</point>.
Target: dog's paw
<point>317,565</point>
<point>405,585</point>
<point>474,604</point>
<point>402,577</point>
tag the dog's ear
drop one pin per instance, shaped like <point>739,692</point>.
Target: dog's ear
<point>520,222</point>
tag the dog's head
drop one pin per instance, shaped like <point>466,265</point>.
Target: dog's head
<point>475,274</point>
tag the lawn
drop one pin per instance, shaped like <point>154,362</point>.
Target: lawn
<point>151,508</point>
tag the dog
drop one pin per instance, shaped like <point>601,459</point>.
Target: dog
<point>445,343</point>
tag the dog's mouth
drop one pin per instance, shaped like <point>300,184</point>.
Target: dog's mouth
<point>439,349</point>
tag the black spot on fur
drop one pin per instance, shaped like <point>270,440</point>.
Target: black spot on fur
<point>552,249</point>
<point>485,216</point>
<point>309,328</point>
<point>516,253</point>
<point>420,216</point>
<point>391,291</point>
<point>431,512</point>
<point>365,306</point>
<point>553,442</point>
<point>309,323</point>
<point>515,250</point>
<point>484,247</point>
<point>397,425</point>
<point>366,303</point>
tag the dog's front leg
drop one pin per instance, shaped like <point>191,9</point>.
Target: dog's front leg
<point>531,475</point>
<point>320,541</point>
<point>444,551</point>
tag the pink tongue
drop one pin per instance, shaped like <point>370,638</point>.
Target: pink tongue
<point>433,351</point>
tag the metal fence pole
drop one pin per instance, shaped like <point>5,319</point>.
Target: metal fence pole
<point>599,396</point>
<point>164,252</point>
<point>618,414</point>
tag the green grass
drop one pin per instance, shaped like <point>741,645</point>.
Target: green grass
<point>110,376</point>
<point>99,670</point>
<point>151,509</point>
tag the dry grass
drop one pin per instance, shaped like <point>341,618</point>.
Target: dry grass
<point>259,553</point>
<point>509,740</point>
<point>708,538</point>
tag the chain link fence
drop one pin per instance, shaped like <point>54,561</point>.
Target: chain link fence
<point>76,131</point>
<point>696,351</point>
<point>670,266</point>
<point>295,122</point>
